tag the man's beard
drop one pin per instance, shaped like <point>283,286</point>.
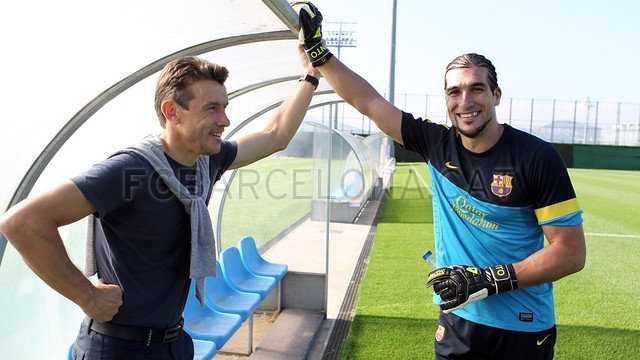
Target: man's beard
<point>475,132</point>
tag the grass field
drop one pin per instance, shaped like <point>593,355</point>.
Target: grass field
<point>266,198</point>
<point>597,309</point>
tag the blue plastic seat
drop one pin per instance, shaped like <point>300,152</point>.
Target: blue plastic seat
<point>240,278</point>
<point>219,295</point>
<point>222,297</point>
<point>204,350</point>
<point>207,323</point>
<point>256,264</point>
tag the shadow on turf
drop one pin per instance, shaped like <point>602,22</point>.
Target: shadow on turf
<point>377,337</point>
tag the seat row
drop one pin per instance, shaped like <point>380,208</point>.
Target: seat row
<point>244,279</point>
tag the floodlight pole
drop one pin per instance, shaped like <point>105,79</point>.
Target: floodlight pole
<point>392,65</point>
<point>337,39</point>
<point>340,38</point>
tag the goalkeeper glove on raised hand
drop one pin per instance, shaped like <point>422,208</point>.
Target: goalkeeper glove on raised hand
<point>311,33</point>
<point>459,285</point>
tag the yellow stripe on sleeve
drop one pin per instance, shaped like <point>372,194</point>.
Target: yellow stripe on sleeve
<point>556,210</point>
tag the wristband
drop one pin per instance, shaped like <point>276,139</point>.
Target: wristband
<point>318,54</point>
<point>312,79</point>
<point>504,277</point>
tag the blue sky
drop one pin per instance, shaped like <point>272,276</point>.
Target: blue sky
<point>565,50</point>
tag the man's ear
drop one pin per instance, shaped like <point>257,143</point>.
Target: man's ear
<point>170,111</point>
<point>497,94</point>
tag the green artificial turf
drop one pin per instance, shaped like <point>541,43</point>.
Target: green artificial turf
<point>395,318</point>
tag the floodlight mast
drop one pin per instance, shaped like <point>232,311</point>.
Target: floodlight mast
<point>344,36</point>
<point>392,62</point>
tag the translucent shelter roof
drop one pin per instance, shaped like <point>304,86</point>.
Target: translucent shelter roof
<point>80,76</point>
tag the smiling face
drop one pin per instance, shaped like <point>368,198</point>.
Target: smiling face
<point>470,101</point>
<point>200,126</point>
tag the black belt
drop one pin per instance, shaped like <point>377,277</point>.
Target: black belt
<point>132,333</point>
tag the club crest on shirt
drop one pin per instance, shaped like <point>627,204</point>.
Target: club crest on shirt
<point>501,185</point>
<point>440,333</point>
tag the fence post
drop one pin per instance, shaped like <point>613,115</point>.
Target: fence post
<point>575,108</point>
<point>588,105</point>
<point>426,106</point>
<point>595,129</point>
<point>618,125</point>
<point>510,109</point>
<point>553,119</point>
<point>531,119</point>
<point>638,133</point>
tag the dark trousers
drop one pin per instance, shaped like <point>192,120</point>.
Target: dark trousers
<point>457,338</point>
<point>91,345</point>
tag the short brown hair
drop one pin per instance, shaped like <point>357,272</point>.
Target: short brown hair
<point>178,75</point>
<point>474,60</point>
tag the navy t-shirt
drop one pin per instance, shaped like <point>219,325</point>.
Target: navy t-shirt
<point>147,230</point>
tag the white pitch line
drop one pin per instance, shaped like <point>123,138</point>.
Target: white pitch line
<point>586,234</point>
<point>422,180</point>
<point>613,235</point>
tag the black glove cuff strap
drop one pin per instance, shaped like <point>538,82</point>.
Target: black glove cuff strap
<point>505,278</point>
<point>318,54</point>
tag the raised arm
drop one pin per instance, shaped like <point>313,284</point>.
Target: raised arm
<point>348,85</point>
<point>363,97</point>
<point>31,227</point>
<point>281,128</point>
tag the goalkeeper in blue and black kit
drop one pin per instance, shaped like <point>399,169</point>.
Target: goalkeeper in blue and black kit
<point>497,193</point>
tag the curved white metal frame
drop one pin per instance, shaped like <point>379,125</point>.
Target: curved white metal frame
<point>41,162</point>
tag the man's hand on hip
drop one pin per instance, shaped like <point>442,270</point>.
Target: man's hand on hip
<point>106,302</point>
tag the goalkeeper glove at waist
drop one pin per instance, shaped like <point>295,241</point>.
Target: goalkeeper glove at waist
<point>459,285</point>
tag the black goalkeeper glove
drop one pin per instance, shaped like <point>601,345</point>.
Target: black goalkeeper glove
<point>311,33</point>
<point>459,285</point>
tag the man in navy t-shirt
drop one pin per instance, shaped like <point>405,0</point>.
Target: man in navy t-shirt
<point>143,261</point>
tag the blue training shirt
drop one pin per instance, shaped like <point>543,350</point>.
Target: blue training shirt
<point>488,210</point>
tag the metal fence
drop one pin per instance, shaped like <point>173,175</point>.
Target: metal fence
<point>557,121</point>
